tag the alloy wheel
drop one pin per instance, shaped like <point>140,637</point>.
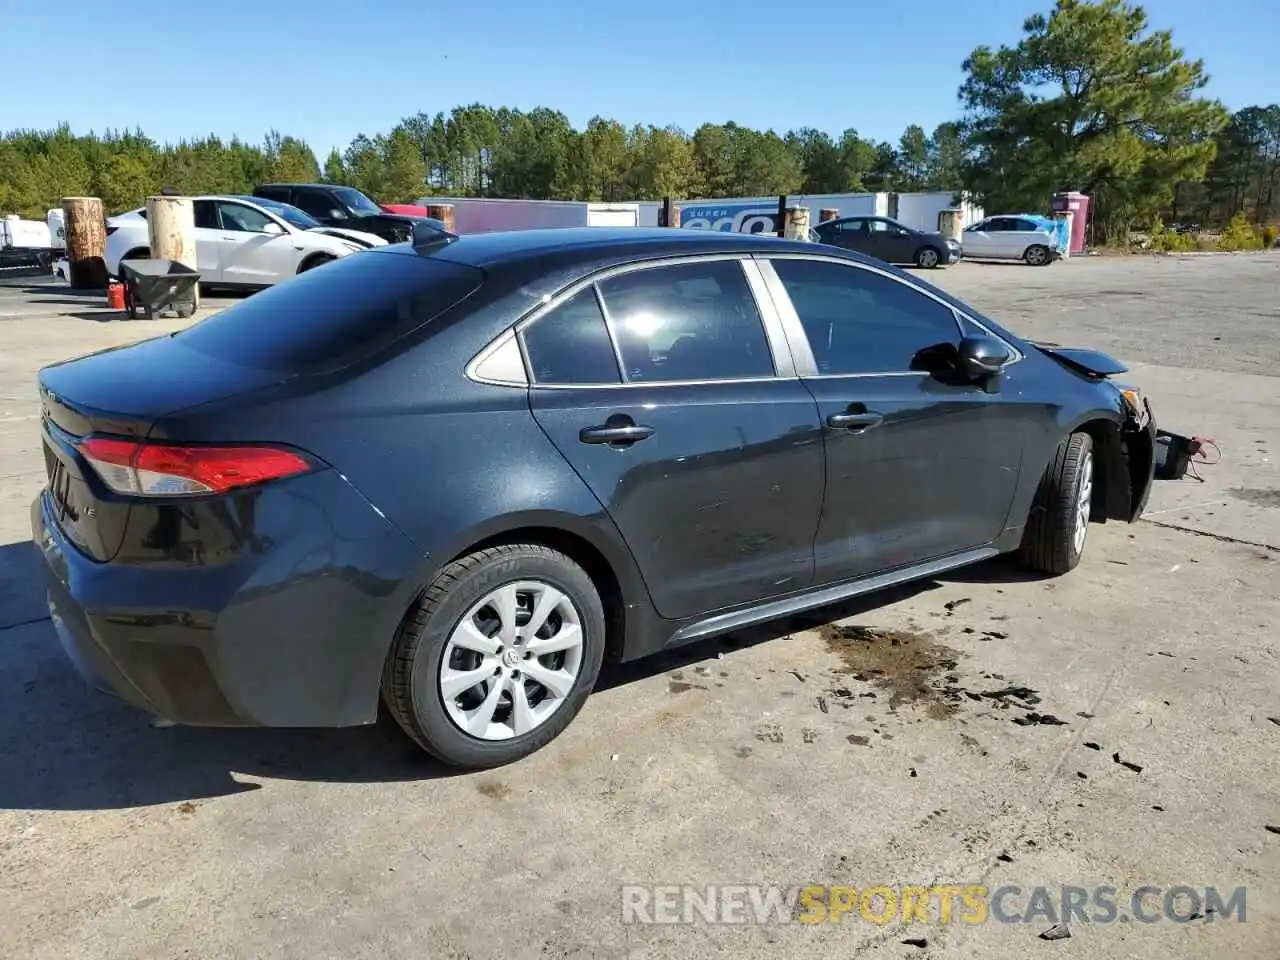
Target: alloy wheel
<point>1084,499</point>
<point>511,660</point>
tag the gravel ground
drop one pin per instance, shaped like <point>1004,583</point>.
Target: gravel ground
<point>902,740</point>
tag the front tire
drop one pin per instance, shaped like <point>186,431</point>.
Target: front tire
<point>1058,524</point>
<point>1037,255</point>
<point>497,657</point>
<point>927,258</point>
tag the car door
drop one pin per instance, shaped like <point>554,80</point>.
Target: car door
<point>899,243</point>
<point>208,241</point>
<point>919,463</point>
<point>977,240</point>
<point>1004,233</point>
<point>670,390</point>
<point>255,249</point>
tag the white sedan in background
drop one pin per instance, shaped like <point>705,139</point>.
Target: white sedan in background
<point>244,242</point>
<point>1010,238</point>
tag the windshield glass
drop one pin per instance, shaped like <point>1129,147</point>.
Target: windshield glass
<point>287,212</point>
<point>356,200</point>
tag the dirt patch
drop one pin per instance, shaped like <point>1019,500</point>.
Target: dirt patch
<point>912,666</point>
<point>1263,497</point>
<point>493,789</point>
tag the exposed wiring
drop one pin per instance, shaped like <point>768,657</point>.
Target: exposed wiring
<point>1196,452</point>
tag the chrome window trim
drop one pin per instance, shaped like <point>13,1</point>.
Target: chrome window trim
<point>775,336</point>
<point>806,365</point>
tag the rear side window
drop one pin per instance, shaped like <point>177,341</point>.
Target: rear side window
<point>860,321</point>
<point>336,315</point>
<point>274,193</point>
<point>690,321</point>
<point>571,344</point>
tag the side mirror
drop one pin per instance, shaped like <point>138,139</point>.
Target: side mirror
<point>272,229</point>
<point>981,356</point>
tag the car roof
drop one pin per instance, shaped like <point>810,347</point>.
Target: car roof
<point>621,243</point>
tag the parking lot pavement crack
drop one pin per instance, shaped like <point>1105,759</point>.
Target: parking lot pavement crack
<point>1221,538</point>
<point>23,623</point>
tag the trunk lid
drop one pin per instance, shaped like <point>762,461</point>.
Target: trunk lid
<point>120,391</point>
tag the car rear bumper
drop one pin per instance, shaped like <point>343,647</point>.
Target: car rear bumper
<point>290,631</point>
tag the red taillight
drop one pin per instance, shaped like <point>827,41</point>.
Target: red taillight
<point>111,229</point>
<point>165,470</point>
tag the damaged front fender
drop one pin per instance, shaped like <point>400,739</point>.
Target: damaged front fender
<point>1125,454</point>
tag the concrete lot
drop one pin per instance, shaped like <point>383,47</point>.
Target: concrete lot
<point>737,761</point>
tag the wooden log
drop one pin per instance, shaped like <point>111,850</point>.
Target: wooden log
<point>828,213</point>
<point>442,212</point>
<point>171,229</point>
<point>86,234</point>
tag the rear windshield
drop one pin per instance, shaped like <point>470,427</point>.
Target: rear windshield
<point>334,315</point>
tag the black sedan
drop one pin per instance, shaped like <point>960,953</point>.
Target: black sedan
<point>886,239</point>
<point>454,475</point>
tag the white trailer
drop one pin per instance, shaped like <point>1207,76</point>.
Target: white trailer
<point>919,211</point>
<point>484,215</point>
<point>31,243</point>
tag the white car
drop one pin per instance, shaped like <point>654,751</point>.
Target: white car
<point>1010,238</point>
<point>244,242</point>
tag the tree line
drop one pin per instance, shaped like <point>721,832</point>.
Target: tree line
<point>1091,98</point>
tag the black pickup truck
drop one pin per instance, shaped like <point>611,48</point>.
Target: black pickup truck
<point>338,206</point>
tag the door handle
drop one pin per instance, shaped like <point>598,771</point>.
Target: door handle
<point>615,434</point>
<point>855,422</point>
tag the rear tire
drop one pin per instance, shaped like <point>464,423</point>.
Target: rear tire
<point>457,634</point>
<point>1058,524</point>
<point>927,258</point>
<point>1037,255</point>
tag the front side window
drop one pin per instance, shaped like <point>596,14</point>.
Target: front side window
<point>570,344</point>
<point>860,321</point>
<point>690,321</point>
<point>315,203</point>
<point>242,219</point>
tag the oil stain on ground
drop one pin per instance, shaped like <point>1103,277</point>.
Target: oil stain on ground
<point>911,666</point>
<point>1264,497</point>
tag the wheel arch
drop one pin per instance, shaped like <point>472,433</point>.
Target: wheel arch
<point>604,557</point>
<point>314,257</point>
<point>1112,494</point>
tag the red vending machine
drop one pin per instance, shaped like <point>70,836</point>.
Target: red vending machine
<point>1078,205</point>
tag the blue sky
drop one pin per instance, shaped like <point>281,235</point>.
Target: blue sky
<point>326,71</point>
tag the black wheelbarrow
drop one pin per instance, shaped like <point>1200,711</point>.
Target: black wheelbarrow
<point>157,286</point>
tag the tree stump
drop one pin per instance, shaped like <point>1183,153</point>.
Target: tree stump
<point>171,226</point>
<point>797,223</point>
<point>442,212</point>
<point>86,233</point>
